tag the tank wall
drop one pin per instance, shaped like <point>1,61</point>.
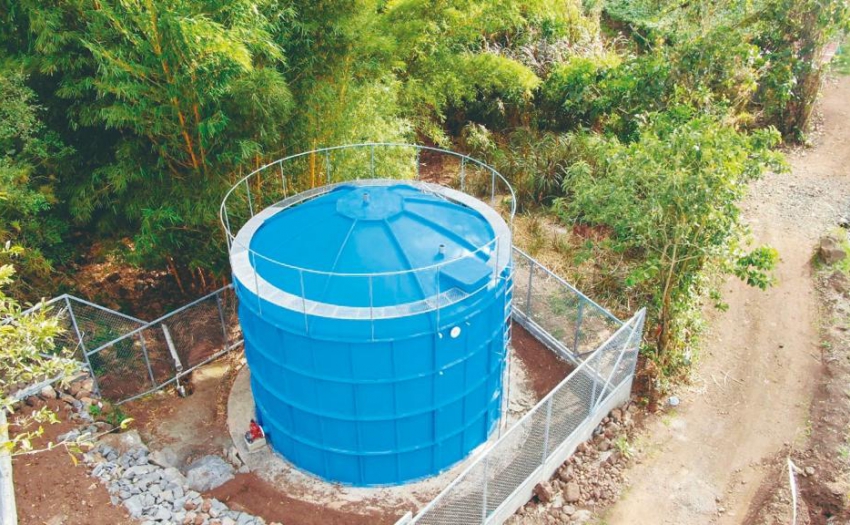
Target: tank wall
<point>378,403</point>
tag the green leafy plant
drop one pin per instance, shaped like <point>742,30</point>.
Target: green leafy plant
<point>671,199</point>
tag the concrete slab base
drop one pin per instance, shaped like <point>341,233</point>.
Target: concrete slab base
<point>274,469</point>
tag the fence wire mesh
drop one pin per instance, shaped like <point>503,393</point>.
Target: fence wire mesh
<point>559,312</point>
<point>129,357</point>
<point>571,323</point>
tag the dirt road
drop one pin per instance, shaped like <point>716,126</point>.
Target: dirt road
<point>704,461</point>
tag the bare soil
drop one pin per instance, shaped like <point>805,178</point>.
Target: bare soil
<point>194,426</point>
<point>101,275</point>
<point>545,369</point>
<point>51,490</point>
<point>249,493</point>
<point>719,456</point>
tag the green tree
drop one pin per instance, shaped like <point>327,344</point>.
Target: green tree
<point>189,90</point>
<point>671,200</point>
<point>29,157</point>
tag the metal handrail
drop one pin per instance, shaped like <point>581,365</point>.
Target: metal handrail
<point>244,181</point>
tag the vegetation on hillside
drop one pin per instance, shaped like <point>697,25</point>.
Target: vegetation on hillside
<point>633,124</point>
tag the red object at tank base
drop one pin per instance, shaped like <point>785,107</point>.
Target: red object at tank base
<point>255,431</point>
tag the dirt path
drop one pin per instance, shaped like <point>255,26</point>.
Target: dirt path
<point>704,461</point>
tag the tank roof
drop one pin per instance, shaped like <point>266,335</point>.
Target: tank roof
<point>372,244</point>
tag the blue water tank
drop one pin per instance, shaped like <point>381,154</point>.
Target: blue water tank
<point>374,316</point>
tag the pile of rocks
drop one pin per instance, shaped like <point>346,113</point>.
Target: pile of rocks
<point>78,396</point>
<point>159,494</point>
<point>592,477</point>
<point>147,484</point>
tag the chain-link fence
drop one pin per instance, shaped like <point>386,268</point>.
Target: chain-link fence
<point>500,479</point>
<point>519,458</point>
<point>129,357</point>
<point>556,313</point>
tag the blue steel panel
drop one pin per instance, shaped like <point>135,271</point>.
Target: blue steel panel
<point>387,402</point>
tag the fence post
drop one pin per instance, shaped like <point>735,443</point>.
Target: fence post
<point>622,352</point>
<point>223,322</point>
<point>579,318</point>
<point>171,348</point>
<point>147,359</point>
<point>484,491</point>
<point>372,161</point>
<point>82,345</point>
<point>638,329</point>
<point>531,266</point>
<point>418,151</point>
<point>546,432</point>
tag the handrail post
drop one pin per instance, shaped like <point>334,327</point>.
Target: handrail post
<point>418,152</point>
<point>304,301</point>
<point>372,161</point>
<point>282,179</point>
<point>227,233</point>
<point>248,193</point>
<point>82,345</point>
<point>328,165</point>
<point>527,312</point>
<point>463,174</point>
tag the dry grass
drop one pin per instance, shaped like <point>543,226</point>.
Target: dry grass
<point>582,258</point>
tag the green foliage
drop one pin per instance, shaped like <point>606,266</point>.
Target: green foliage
<point>189,93</point>
<point>608,94</point>
<point>754,267</point>
<point>129,119</point>
<point>461,59</point>
<point>25,340</point>
<point>841,62</point>
<point>760,57</point>
<point>792,34</point>
<point>28,157</point>
<point>670,199</point>
<point>110,414</point>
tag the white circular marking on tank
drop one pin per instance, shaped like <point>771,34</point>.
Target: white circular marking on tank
<point>455,332</point>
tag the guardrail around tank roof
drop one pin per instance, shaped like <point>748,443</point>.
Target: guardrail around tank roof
<point>304,176</point>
